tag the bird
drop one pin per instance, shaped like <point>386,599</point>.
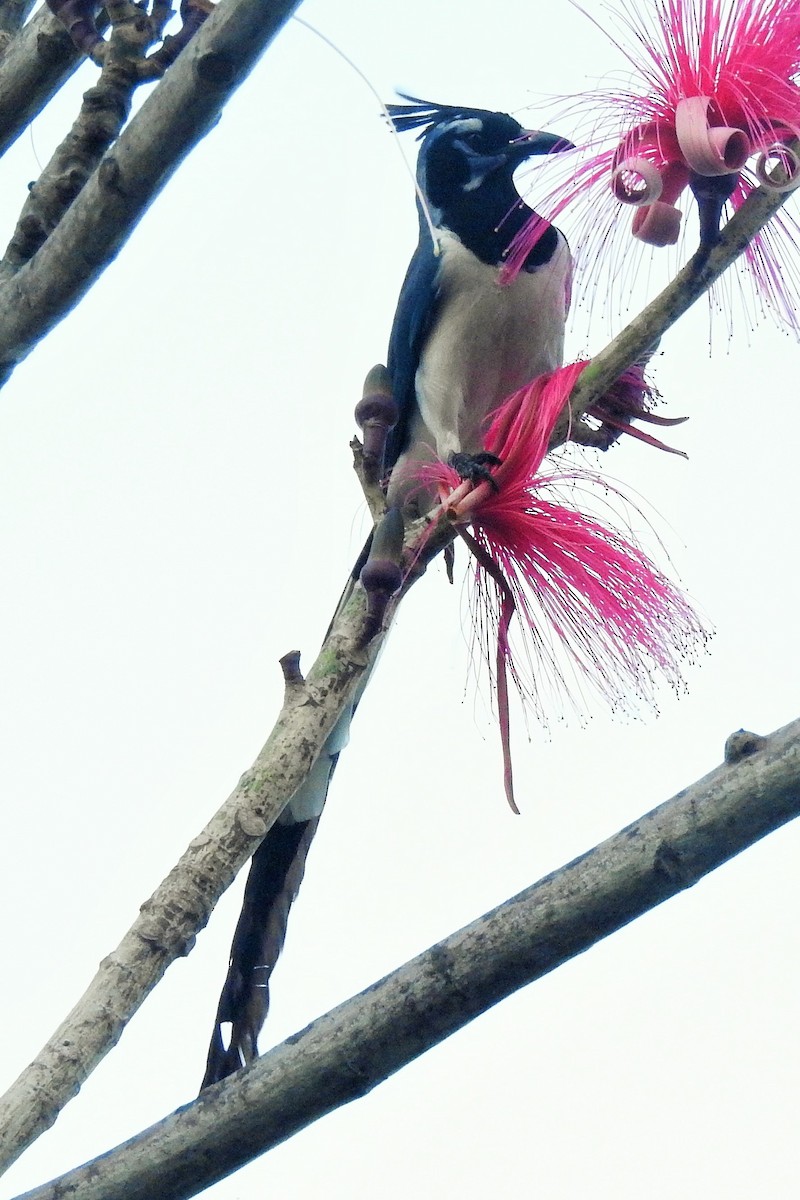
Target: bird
<point>463,338</point>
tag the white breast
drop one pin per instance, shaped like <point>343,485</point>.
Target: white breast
<point>487,341</point>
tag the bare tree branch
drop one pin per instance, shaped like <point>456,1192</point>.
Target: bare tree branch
<point>79,17</point>
<point>181,905</point>
<point>344,1054</point>
<point>182,109</point>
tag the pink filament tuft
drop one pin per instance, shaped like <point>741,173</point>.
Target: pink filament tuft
<point>617,617</point>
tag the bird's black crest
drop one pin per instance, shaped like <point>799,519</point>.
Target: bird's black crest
<point>424,114</point>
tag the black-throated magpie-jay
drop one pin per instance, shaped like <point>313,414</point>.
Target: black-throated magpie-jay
<point>462,340</point>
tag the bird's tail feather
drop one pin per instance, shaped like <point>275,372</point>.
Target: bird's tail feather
<point>276,873</point>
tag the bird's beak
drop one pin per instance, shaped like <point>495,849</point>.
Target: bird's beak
<point>535,141</point>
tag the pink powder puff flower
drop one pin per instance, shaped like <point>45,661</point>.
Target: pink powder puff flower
<point>716,111</point>
<point>619,620</point>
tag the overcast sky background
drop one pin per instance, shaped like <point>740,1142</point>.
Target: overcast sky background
<point>177,510</point>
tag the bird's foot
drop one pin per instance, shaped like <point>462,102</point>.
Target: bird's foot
<point>474,468</point>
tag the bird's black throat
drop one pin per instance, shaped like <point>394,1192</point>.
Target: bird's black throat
<point>488,218</point>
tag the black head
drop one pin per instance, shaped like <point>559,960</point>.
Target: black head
<point>466,171</point>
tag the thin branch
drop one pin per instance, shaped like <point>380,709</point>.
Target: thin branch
<point>182,109</point>
<point>344,1054</point>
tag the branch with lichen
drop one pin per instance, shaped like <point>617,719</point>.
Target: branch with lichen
<point>342,1055</point>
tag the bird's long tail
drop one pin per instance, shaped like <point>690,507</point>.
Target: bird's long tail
<point>275,876</point>
<point>276,873</point>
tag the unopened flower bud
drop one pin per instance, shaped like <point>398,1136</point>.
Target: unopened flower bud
<point>376,414</point>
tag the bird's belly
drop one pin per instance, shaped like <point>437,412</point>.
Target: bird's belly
<point>487,341</point>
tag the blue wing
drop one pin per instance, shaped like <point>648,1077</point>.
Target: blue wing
<point>416,309</point>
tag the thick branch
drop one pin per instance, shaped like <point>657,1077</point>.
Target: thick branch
<point>181,110</point>
<point>343,1055</point>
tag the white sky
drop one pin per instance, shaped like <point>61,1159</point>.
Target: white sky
<point>177,510</point>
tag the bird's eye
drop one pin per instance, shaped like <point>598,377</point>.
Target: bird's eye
<point>474,141</point>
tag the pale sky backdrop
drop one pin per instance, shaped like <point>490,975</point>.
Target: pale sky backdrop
<point>177,510</point>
